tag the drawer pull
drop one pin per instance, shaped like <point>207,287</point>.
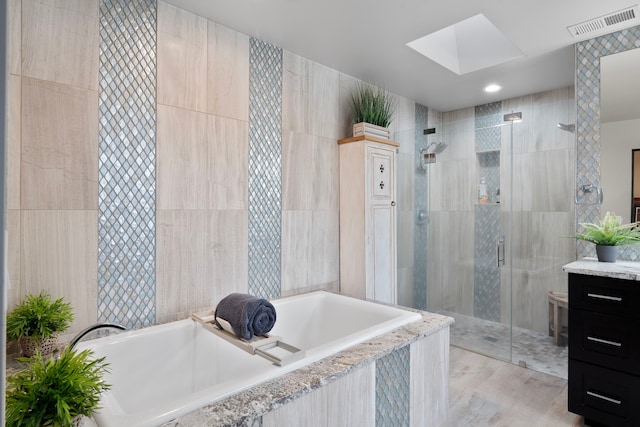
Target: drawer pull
<point>605,297</point>
<point>601,341</point>
<point>608,399</point>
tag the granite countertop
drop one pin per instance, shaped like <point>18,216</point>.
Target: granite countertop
<point>627,270</point>
<point>243,407</point>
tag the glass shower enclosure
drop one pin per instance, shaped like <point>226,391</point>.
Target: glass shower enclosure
<point>493,196</point>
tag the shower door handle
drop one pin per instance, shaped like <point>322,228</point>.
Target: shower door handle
<point>500,250</point>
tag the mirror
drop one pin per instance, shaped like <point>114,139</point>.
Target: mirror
<point>620,133</point>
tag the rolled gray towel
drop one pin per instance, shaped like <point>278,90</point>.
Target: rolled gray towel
<point>247,315</point>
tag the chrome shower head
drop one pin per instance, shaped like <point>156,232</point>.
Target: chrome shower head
<point>567,128</point>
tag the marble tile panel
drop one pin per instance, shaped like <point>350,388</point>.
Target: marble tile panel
<point>310,97</point>
<point>310,175</point>
<point>202,160</point>
<point>429,372</point>
<point>310,248</point>
<point>453,185</point>
<point>59,146</point>
<point>404,122</point>
<point>202,257</point>
<point>406,166</point>
<point>13,152</point>
<point>59,250</point>
<point>14,36</point>
<point>60,41</point>
<point>14,253</point>
<point>536,178</point>
<point>182,58</point>
<point>351,399</point>
<point>347,84</point>
<point>451,262</point>
<point>227,72</point>
<point>405,226</point>
<point>406,287</point>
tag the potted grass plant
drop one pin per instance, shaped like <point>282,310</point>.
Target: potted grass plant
<point>37,321</point>
<point>608,235</point>
<point>62,391</point>
<point>372,108</point>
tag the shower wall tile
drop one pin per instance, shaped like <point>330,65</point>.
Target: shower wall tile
<point>310,95</point>
<point>59,146</point>
<point>539,252</point>
<point>536,187</point>
<point>403,125</point>
<point>202,257</point>
<point>405,170</point>
<point>182,58</point>
<point>59,250</point>
<point>202,161</point>
<point>406,288</point>
<point>60,41</point>
<point>310,248</point>
<point>458,127</point>
<point>14,143</point>
<point>228,72</point>
<point>451,266</point>
<point>310,172</point>
<point>461,189</point>
<point>420,204</point>
<point>487,119</point>
<point>14,37</point>
<point>486,289</point>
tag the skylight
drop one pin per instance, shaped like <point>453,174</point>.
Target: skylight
<point>469,45</point>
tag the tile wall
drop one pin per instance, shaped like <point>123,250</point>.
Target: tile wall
<point>202,139</point>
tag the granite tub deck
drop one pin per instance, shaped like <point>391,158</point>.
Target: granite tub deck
<point>425,341</point>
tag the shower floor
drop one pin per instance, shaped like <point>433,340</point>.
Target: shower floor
<point>534,349</point>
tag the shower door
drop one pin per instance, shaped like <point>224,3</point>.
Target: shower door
<point>490,261</point>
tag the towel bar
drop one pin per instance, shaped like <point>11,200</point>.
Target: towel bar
<point>262,346</point>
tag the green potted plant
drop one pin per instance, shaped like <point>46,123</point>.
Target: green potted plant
<point>37,321</point>
<point>372,108</point>
<point>55,391</point>
<point>609,235</point>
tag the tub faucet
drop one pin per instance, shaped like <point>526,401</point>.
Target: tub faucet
<point>92,328</point>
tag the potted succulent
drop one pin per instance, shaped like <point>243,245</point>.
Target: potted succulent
<point>37,321</point>
<point>372,108</point>
<point>61,391</point>
<point>609,235</point>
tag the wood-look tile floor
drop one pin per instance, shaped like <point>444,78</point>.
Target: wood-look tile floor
<point>489,392</point>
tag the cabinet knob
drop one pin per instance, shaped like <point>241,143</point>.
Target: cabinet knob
<point>393,203</point>
<point>381,168</point>
<point>381,185</point>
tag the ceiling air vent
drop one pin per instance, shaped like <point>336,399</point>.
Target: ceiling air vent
<point>607,23</point>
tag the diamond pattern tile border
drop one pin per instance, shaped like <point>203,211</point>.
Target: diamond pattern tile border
<point>420,193</point>
<point>265,152</point>
<point>126,162</point>
<point>588,54</point>
<point>392,389</point>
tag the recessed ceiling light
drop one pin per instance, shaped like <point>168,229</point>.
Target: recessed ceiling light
<point>492,88</point>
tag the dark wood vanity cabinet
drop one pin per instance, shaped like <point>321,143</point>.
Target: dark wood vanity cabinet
<point>604,349</point>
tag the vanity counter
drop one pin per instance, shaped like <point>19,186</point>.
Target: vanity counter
<point>626,270</point>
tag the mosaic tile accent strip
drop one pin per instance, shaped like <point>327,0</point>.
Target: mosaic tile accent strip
<point>392,389</point>
<point>127,162</point>
<point>486,273</point>
<point>588,55</point>
<point>488,134</point>
<point>490,169</point>
<point>420,202</point>
<point>265,152</point>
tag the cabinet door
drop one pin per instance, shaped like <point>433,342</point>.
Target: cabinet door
<point>381,225</point>
<point>381,174</point>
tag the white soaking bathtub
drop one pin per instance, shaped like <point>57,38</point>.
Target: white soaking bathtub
<point>162,372</point>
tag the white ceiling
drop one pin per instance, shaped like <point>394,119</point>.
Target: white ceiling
<point>367,39</point>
